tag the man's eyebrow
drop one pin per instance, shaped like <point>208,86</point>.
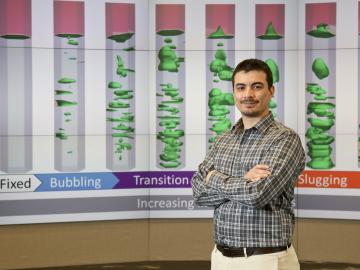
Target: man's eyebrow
<point>243,84</point>
<point>257,83</point>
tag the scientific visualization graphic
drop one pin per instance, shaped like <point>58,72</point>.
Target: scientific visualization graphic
<point>320,64</point>
<point>270,47</point>
<point>170,82</point>
<point>69,85</point>
<point>120,77</point>
<point>220,48</point>
<point>15,86</point>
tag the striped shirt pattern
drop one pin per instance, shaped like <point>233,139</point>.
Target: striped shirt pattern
<point>251,214</point>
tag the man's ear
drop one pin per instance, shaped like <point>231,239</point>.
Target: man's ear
<point>272,90</point>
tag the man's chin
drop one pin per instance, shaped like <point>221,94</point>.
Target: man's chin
<point>250,113</point>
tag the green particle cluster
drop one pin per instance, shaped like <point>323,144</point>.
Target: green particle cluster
<point>121,69</point>
<point>122,122</point>
<point>220,67</point>
<point>63,95</point>
<point>219,112</point>
<point>276,77</point>
<point>219,101</point>
<point>320,68</point>
<point>170,121</point>
<point>169,61</point>
<point>321,118</point>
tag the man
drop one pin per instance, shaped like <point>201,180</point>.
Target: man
<point>248,176</point>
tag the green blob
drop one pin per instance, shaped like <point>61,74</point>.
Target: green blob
<point>67,113</point>
<point>321,31</point>
<point>321,109</point>
<point>163,107</point>
<point>315,89</point>
<point>118,104</point>
<point>225,75</point>
<point>274,69</point>
<point>313,133</point>
<point>220,67</point>
<point>221,126</point>
<point>171,133</point>
<point>66,80</point>
<point>272,104</point>
<point>219,33</point>
<point>270,33</point>
<point>169,165</point>
<point>65,103</point>
<point>220,44</point>
<point>121,38</point>
<point>124,127</point>
<point>121,70</point>
<point>62,92</point>
<point>324,124</point>
<point>124,118</point>
<point>114,85</point>
<point>218,111</point>
<point>122,135</point>
<point>61,135</point>
<point>321,163</point>
<point>167,40</point>
<point>215,92</point>
<point>168,59</point>
<point>170,32</point>
<point>111,110</point>
<point>169,156</point>
<point>320,153</point>
<point>72,42</point>
<point>320,68</point>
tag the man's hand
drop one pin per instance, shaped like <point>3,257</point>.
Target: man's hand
<point>208,175</point>
<point>257,172</point>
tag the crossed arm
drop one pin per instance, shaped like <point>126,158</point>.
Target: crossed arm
<point>280,167</point>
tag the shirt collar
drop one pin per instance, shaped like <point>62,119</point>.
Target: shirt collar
<point>261,126</point>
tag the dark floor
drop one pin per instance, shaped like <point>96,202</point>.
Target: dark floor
<point>194,265</point>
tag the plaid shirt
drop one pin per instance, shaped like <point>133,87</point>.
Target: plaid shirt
<point>252,214</point>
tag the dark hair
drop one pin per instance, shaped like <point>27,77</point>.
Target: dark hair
<point>254,64</point>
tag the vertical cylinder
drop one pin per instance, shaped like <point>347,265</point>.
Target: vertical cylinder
<point>69,85</point>
<point>320,76</point>
<point>170,82</point>
<point>15,86</point>
<point>220,45</point>
<point>120,77</point>
<point>270,47</point>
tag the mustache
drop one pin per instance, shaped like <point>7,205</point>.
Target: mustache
<point>248,101</point>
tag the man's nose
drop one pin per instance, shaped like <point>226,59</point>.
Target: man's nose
<point>249,92</point>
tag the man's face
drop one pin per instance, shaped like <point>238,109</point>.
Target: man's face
<point>251,93</point>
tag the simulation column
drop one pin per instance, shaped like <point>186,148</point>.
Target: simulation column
<point>220,48</point>
<point>320,75</point>
<point>120,77</point>
<point>170,82</point>
<point>69,85</point>
<point>15,86</point>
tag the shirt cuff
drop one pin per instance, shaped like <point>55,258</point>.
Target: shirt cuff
<point>216,180</point>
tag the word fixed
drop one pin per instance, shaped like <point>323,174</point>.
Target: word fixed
<point>6,183</point>
<point>19,183</point>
